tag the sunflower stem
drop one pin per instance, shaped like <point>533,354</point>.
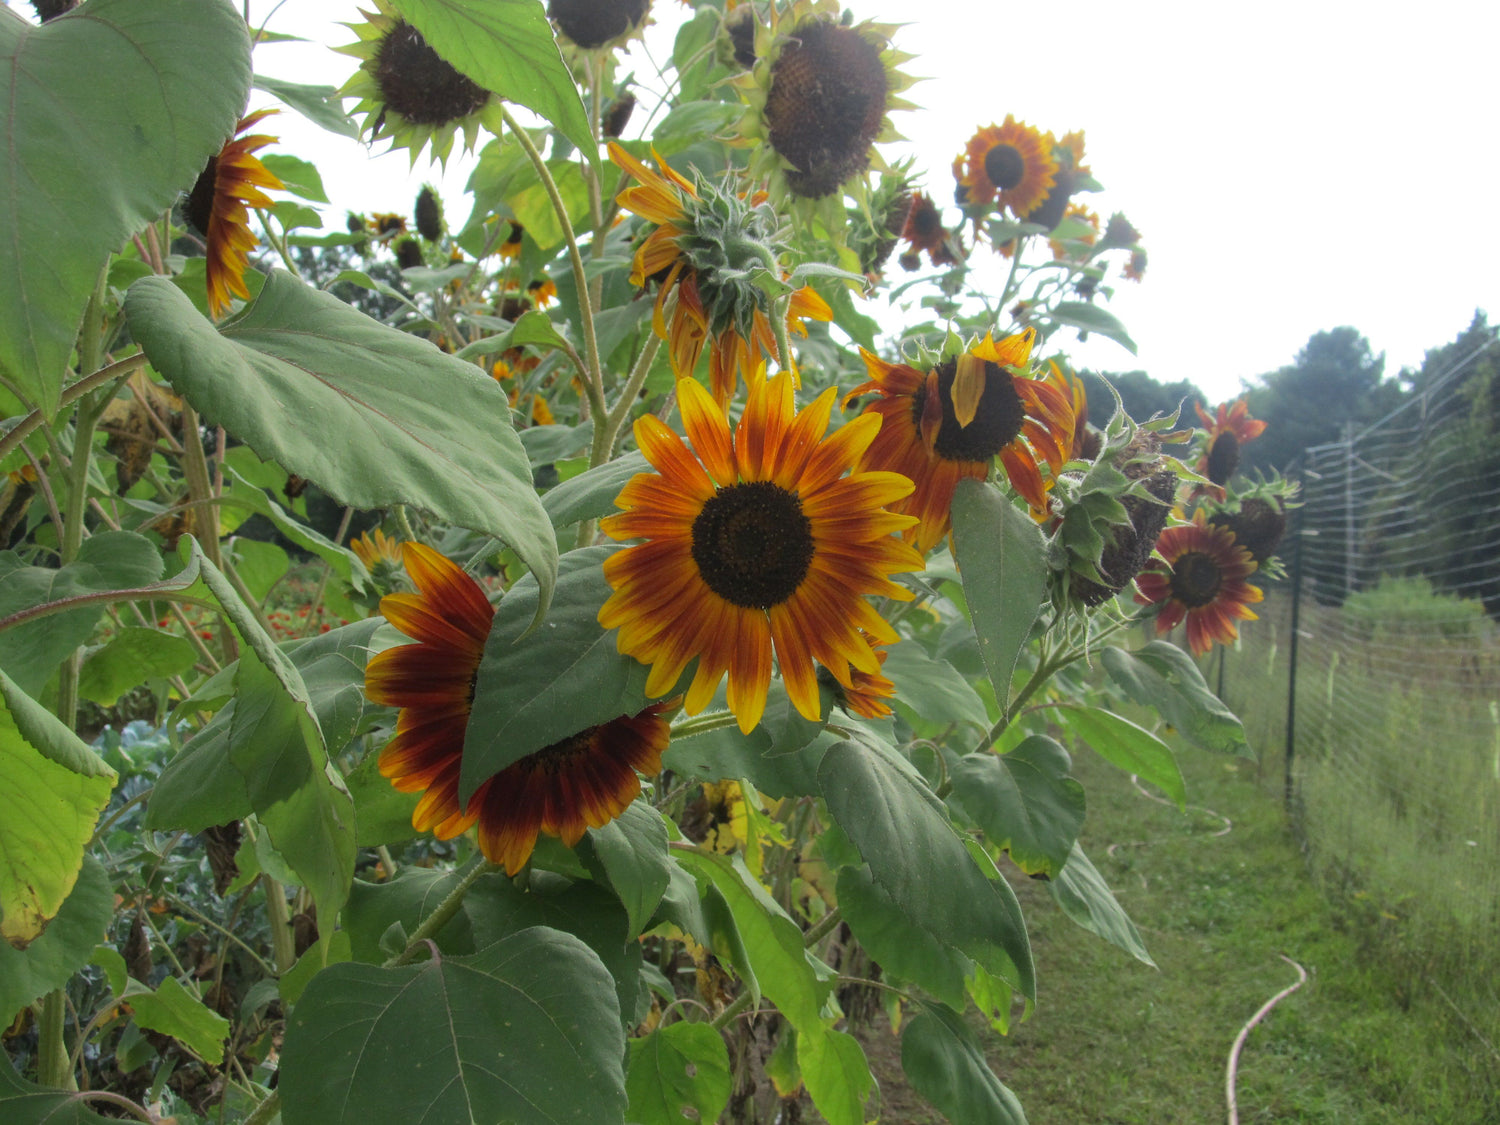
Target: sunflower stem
<point>266,1112</point>
<point>282,944</point>
<point>779,312</point>
<point>70,394</point>
<point>633,384</point>
<point>1011,288</point>
<point>594,384</point>
<point>442,915</point>
<point>702,724</point>
<point>52,1059</point>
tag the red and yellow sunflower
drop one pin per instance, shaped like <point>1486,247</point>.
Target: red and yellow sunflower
<point>923,230</point>
<point>1013,162</point>
<point>1226,431</point>
<point>870,691</point>
<point>952,422</point>
<point>580,782</point>
<point>754,540</point>
<point>218,207</point>
<point>1200,576</point>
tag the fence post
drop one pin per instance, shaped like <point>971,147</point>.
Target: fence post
<point>1291,689</point>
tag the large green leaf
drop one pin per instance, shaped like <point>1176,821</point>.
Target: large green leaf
<point>904,948</point>
<point>676,1068</point>
<point>931,689</point>
<point>132,656</point>
<point>90,160</point>
<point>780,756</point>
<point>403,901</point>
<point>1091,318</point>
<point>49,961</point>
<point>592,494</point>
<point>1134,749</point>
<point>25,1103</point>
<point>1025,802</point>
<point>172,1010</point>
<point>917,859</point>
<point>1162,676</point>
<point>506,46</point>
<point>525,1031</point>
<point>373,416</point>
<point>946,1064</point>
<point>52,789</point>
<point>629,855</point>
<point>1086,898</point>
<point>1003,559</point>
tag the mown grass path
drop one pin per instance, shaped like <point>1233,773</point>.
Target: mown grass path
<point>1114,1042</point>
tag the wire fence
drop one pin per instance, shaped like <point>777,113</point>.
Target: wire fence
<point>1374,675</point>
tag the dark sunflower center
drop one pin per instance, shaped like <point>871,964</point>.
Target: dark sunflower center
<point>752,544</point>
<point>1223,457</point>
<point>557,757</point>
<point>997,422</point>
<point>416,83</point>
<point>825,106</point>
<point>1049,212</point>
<point>593,23</point>
<point>1196,579</point>
<point>199,207</point>
<point>1005,166</point>
<point>926,221</point>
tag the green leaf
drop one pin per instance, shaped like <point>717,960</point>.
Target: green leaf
<point>407,899</point>
<point>917,859</point>
<point>1086,898</point>
<point>676,1068</point>
<point>327,393</point>
<point>66,946</point>
<point>902,946</point>
<point>32,650</point>
<point>198,788</point>
<point>836,1074</point>
<point>932,689</point>
<point>532,204</point>
<point>25,1103</point>
<point>946,1064</point>
<point>319,104</point>
<point>538,688</point>
<point>259,565</point>
<point>546,444</point>
<point>135,654</point>
<point>1164,677</point>
<point>296,175</point>
<point>382,813</point>
<point>344,562</point>
<point>173,1010</point>
<point>592,494</point>
<point>779,757</point>
<point>291,984</point>
<point>506,46</point>
<point>629,855</point>
<point>179,72</point>
<point>525,1031</point>
<point>1003,558</point>
<point>1134,749</point>
<point>52,789</point>
<point>1091,318</point>
<point>1025,802</point>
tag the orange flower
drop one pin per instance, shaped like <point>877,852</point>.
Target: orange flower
<point>217,207</point>
<point>1201,577</point>
<point>1013,161</point>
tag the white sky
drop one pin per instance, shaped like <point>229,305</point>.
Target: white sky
<point>1292,166</point>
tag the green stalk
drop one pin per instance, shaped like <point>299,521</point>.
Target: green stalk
<point>70,394</point>
<point>266,1112</point>
<point>701,724</point>
<point>442,915</point>
<point>52,1060</point>
<point>282,944</point>
<point>195,469</point>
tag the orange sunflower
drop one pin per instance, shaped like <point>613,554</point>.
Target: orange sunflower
<point>1013,161</point>
<point>680,256</point>
<point>870,690</point>
<point>923,230</point>
<point>580,782</point>
<point>217,207</point>
<point>1201,576</point>
<point>951,423</point>
<point>1088,218</point>
<point>755,539</point>
<point>1227,431</point>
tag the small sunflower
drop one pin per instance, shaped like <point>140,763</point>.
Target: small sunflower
<point>408,92</point>
<point>818,97</point>
<point>1081,214</point>
<point>755,540</point>
<point>1135,269</point>
<point>1200,576</point>
<point>1229,429</point>
<point>510,249</point>
<point>428,213</point>
<point>952,422</point>
<point>1258,526</point>
<point>704,244</point>
<point>580,782</point>
<point>542,291</point>
<point>597,23</point>
<point>218,208</point>
<point>924,230</point>
<point>1011,164</point>
<point>377,549</point>
<point>1119,232</point>
<point>869,692</point>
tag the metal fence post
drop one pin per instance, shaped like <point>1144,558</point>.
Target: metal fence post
<point>1291,689</point>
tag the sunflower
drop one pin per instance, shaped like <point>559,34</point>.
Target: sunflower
<point>869,691</point>
<point>1201,576</point>
<point>375,549</point>
<point>584,781</point>
<point>428,213</point>
<point>1135,269</point>
<point>818,97</point>
<point>409,92</point>
<point>704,243</point>
<point>597,23</point>
<point>542,291</point>
<point>1082,215</point>
<point>923,230</point>
<point>1012,161</point>
<point>755,540</point>
<point>217,207</point>
<point>1072,175</point>
<point>950,424</point>
<point>1226,432</point>
<point>1085,444</point>
<point>1258,526</point>
<point>510,249</point>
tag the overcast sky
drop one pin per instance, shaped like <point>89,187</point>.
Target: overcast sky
<point>1292,166</point>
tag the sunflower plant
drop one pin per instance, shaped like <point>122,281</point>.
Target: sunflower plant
<point>587,667</point>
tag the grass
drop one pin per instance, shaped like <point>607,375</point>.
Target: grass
<point>1115,1042</point>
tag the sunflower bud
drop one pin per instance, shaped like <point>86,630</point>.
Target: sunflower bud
<point>617,116</point>
<point>429,214</point>
<point>1119,232</point>
<point>51,9</point>
<point>1258,526</point>
<point>408,253</point>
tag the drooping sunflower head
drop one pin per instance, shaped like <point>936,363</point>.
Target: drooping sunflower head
<point>1224,433</point>
<point>218,206</point>
<point>428,213</point>
<point>597,23</point>
<point>870,693</point>
<point>755,540</point>
<point>1011,165</point>
<point>1135,269</point>
<point>1258,525</point>
<point>874,227</point>
<point>818,98</point>
<point>924,230</point>
<point>1119,233</point>
<point>410,93</point>
<point>1200,576</point>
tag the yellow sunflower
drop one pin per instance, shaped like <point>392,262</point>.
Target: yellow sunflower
<point>542,291</point>
<point>1200,576</point>
<point>754,540</point>
<point>868,693</point>
<point>584,781</point>
<point>376,548</point>
<point>217,208</point>
<point>952,422</point>
<point>510,249</point>
<point>408,92</point>
<point>1013,162</point>
<point>703,241</point>
<point>1072,175</point>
